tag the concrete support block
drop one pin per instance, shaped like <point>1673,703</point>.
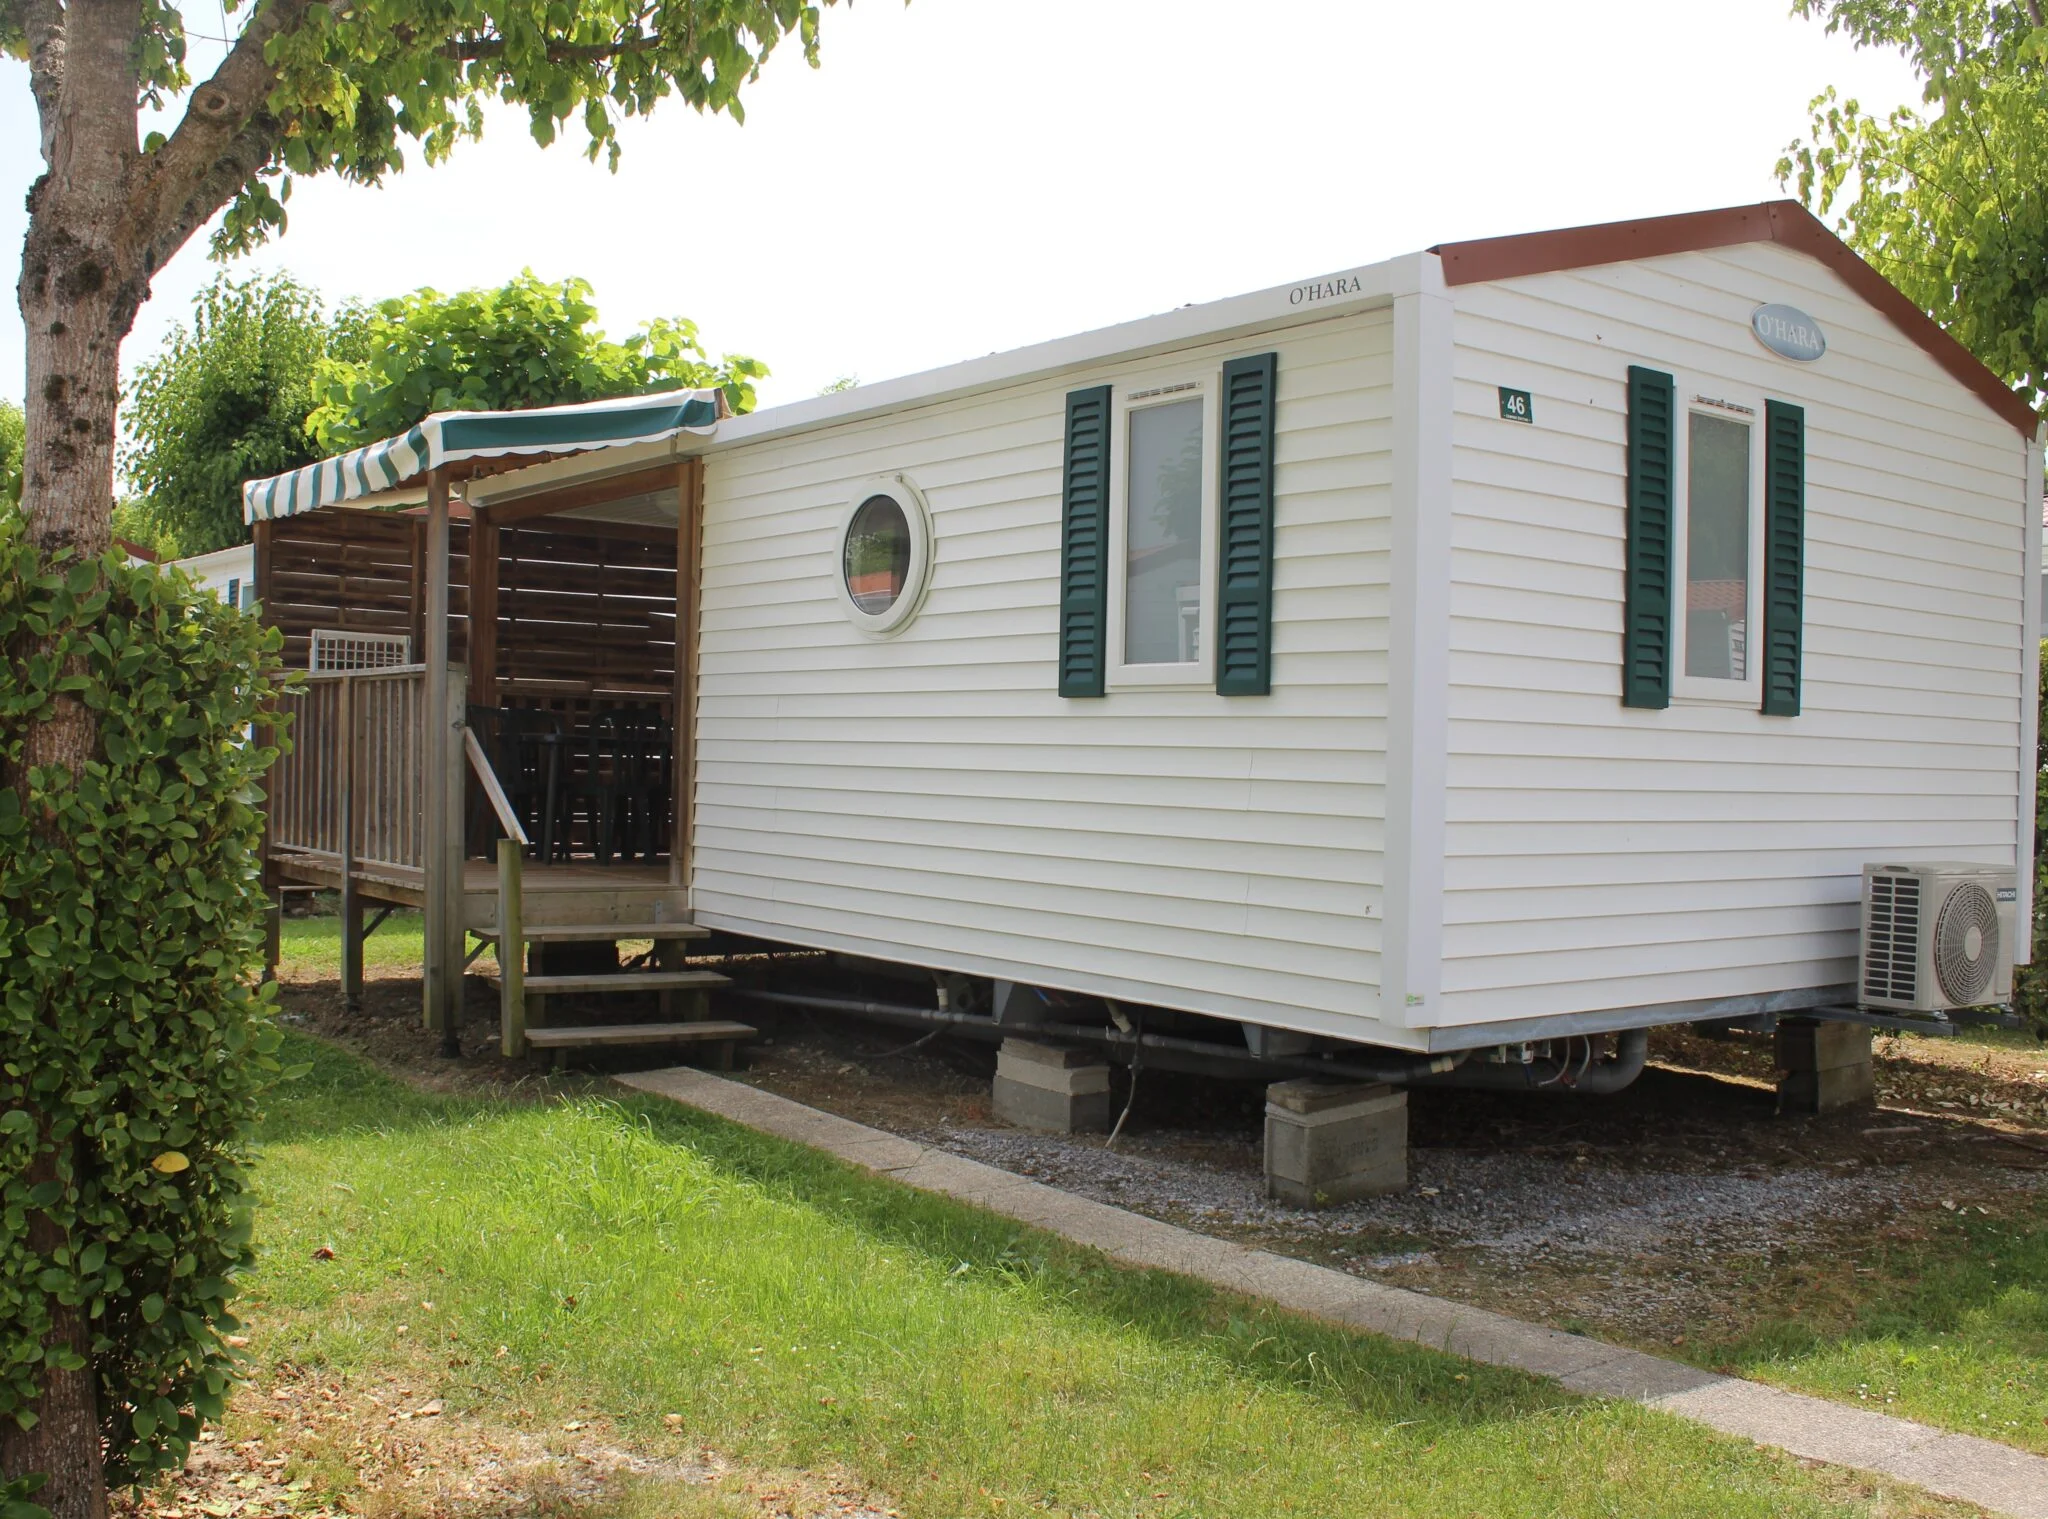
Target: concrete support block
<point>1823,1067</point>
<point>1051,1088</point>
<point>1329,1142</point>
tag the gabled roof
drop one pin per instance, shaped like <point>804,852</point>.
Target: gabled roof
<point>1785,222</point>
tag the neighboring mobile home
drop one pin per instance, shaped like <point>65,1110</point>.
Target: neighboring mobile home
<point>1522,638</point>
<point>230,573</point>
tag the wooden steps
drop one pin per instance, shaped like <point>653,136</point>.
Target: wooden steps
<point>624,981</point>
<point>592,933</point>
<point>708,1031</point>
<point>598,916</point>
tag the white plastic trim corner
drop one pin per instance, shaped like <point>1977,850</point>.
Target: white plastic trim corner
<point>918,517</point>
<point>2030,686</point>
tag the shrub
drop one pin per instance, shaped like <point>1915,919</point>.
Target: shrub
<point>2030,983</point>
<point>134,1042</point>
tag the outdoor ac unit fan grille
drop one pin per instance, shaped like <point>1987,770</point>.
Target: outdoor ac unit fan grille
<point>1891,945</point>
<point>1968,917</point>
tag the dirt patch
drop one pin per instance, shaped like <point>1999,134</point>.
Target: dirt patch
<point>1682,1212</point>
<point>315,1446</point>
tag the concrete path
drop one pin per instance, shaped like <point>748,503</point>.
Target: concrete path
<point>1984,1472</point>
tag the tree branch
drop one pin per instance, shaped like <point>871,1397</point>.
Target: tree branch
<point>470,50</point>
<point>220,182</point>
<point>189,169</point>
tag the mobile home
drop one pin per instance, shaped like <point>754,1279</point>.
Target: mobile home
<point>1520,639</point>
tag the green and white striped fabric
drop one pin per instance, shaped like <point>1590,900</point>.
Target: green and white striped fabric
<point>449,437</point>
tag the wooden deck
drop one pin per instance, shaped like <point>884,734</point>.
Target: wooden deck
<point>373,798</point>
<point>555,894</point>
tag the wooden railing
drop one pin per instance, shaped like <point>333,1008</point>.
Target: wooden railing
<point>353,787</point>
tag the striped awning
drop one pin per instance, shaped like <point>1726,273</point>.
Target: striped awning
<point>451,437</point>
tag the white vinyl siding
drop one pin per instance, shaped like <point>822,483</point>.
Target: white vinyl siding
<point>929,798</point>
<point>1599,857</point>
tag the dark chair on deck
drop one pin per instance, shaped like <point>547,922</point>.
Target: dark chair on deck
<point>654,780</point>
<point>523,747</point>
<point>596,785</point>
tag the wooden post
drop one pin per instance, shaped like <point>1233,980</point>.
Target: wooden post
<point>351,887</point>
<point>439,1010</point>
<point>689,596</point>
<point>511,950</point>
<point>260,579</point>
<point>272,881</point>
<point>273,935</point>
<point>417,604</point>
<point>483,609</point>
<point>453,844</point>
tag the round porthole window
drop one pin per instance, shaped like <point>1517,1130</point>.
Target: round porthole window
<point>884,555</point>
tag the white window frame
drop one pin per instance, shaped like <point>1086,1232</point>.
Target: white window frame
<point>917,579</point>
<point>1137,395</point>
<point>1705,398</point>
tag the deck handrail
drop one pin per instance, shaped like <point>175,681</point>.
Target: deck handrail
<point>486,773</point>
<point>381,672</point>
<point>352,786</point>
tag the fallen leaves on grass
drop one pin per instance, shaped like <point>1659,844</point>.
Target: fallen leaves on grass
<point>303,1445</point>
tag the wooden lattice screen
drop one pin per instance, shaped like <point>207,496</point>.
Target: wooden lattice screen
<point>586,613</point>
<point>359,571</point>
<point>586,610</point>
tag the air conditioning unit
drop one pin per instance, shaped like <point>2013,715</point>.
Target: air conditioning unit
<point>1936,937</point>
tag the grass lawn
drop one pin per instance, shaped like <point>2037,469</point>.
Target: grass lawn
<point>1945,1322</point>
<point>1942,1314</point>
<point>686,1284</point>
<point>1950,1326</point>
<point>309,949</point>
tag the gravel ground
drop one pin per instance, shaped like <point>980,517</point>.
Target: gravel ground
<point>1510,1205</point>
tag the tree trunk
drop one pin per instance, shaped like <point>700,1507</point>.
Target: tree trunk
<point>80,289</point>
<point>77,304</point>
<point>65,1444</point>
<point>77,315</point>
<point>84,275</point>
<point>75,324</point>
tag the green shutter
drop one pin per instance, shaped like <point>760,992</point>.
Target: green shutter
<point>1084,544</point>
<point>1784,554</point>
<point>1646,624</point>
<point>1244,599</point>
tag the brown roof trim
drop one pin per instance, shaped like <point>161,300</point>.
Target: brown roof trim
<point>135,550</point>
<point>1773,221</point>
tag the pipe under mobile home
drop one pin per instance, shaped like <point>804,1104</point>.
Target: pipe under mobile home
<point>1589,1078</point>
<point>1592,1078</point>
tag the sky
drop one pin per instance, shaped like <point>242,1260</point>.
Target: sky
<point>965,176</point>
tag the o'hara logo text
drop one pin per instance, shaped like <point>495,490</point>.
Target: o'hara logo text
<point>1324,290</point>
<point>1788,332</point>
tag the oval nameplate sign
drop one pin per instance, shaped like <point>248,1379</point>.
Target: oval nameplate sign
<point>1788,332</point>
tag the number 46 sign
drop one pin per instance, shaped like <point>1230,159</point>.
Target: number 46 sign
<point>1514,405</point>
